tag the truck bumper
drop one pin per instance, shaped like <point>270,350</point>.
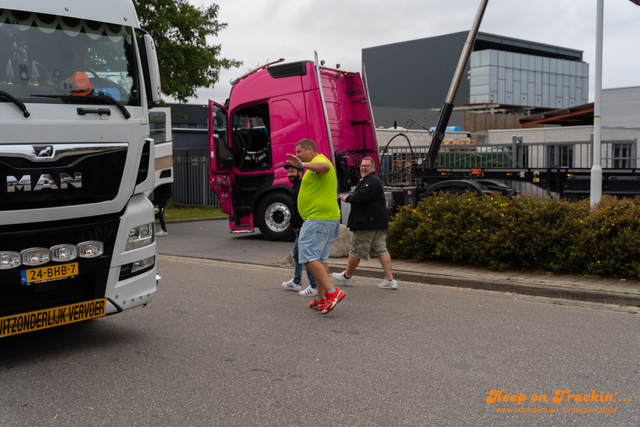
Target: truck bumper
<point>126,290</point>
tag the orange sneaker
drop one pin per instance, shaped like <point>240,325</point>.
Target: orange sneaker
<point>316,304</point>
<point>333,300</point>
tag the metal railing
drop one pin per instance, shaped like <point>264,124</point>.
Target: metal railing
<point>191,180</point>
<point>395,162</point>
<point>191,166</point>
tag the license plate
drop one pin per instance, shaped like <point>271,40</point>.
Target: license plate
<point>57,316</point>
<point>46,274</point>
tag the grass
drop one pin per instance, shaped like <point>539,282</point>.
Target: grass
<point>190,212</point>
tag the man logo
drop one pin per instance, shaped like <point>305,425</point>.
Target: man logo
<point>45,181</point>
<point>43,150</point>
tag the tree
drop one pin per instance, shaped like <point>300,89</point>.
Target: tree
<point>179,31</point>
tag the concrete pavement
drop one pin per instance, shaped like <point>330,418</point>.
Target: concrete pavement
<point>212,240</point>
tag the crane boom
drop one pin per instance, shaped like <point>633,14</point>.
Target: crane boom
<point>447,108</point>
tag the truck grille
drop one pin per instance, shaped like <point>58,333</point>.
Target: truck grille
<point>43,176</point>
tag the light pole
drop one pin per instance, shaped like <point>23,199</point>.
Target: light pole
<point>596,168</point>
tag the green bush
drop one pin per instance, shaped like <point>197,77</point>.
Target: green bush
<point>525,233</point>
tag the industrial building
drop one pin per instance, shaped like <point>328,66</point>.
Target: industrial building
<point>505,75</point>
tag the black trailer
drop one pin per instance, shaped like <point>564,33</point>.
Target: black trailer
<point>561,169</point>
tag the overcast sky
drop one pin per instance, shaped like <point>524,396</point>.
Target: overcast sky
<point>265,30</point>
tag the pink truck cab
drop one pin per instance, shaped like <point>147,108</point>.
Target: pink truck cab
<point>268,111</point>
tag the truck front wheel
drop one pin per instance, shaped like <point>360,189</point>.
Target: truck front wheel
<point>273,217</point>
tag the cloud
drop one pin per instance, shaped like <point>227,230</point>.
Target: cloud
<point>261,30</point>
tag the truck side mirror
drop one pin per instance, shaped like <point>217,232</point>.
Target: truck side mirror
<point>151,69</point>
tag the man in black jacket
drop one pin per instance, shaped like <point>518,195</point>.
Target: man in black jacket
<point>295,176</point>
<point>369,223</point>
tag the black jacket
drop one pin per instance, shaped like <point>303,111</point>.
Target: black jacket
<point>368,205</point>
<point>296,219</point>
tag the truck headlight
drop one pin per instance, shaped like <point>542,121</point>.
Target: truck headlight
<point>90,249</point>
<point>143,264</point>
<point>35,256</point>
<point>137,267</point>
<point>140,236</point>
<point>9,259</point>
<point>63,253</point>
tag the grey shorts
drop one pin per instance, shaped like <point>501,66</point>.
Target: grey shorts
<point>368,243</point>
<point>316,238</point>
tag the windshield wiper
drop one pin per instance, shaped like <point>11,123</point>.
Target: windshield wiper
<point>88,99</point>
<point>16,101</point>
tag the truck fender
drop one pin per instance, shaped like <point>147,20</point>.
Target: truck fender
<point>263,192</point>
<point>458,184</point>
<point>498,187</point>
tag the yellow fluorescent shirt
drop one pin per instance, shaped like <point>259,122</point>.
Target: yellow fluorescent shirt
<point>318,197</point>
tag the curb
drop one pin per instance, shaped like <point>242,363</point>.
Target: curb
<point>502,286</point>
<point>488,285</point>
<point>179,221</point>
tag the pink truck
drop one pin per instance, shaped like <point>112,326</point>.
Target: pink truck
<point>268,111</point>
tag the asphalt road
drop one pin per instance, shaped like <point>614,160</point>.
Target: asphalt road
<point>223,344</point>
<point>212,240</point>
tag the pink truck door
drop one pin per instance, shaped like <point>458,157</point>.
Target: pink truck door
<point>220,157</point>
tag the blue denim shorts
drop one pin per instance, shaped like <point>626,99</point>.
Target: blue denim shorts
<point>316,238</point>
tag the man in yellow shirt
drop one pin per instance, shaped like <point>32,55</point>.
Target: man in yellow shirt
<point>318,207</point>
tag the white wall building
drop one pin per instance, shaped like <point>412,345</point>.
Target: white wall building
<point>621,107</point>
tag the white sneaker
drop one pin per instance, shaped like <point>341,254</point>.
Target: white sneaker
<point>292,286</point>
<point>162,233</point>
<point>389,284</point>
<point>309,292</point>
<point>340,277</point>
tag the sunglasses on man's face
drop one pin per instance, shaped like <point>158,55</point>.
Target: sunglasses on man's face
<point>366,166</point>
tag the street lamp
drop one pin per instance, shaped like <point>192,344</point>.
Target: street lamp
<point>596,168</point>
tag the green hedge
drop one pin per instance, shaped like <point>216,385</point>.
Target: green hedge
<point>525,233</point>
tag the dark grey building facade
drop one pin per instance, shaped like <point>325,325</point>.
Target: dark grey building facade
<point>189,125</point>
<point>416,75</point>
<point>190,133</point>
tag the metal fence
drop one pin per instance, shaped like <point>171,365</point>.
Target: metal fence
<point>191,166</point>
<point>615,154</point>
<point>191,180</point>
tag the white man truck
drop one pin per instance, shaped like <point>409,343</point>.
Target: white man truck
<point>77,237</point>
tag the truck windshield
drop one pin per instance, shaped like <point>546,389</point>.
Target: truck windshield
<point>45,57</point>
